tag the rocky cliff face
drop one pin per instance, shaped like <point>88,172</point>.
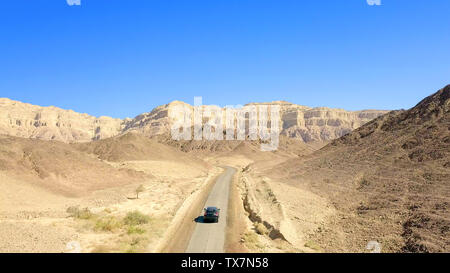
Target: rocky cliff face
<point>321,123</point>
<point>296,121</point>
<point>51,123</point>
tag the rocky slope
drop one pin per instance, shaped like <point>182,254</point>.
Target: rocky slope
<point>52,123</point>
<point>389,180</point>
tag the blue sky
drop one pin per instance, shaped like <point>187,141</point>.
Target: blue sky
<point>121,58</point>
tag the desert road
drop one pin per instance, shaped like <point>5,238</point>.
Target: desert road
<point>210,237</point>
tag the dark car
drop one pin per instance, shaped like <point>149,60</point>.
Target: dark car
<point>211,215</point>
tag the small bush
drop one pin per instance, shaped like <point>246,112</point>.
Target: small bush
<point>363,183</point>
<point>136,218</point>
<point>136,241</point>
<point>250,238</point>
<point>261,229</point>
<point>78,213</point>
<point>135,230</point>
<point>251,241</point>
<point>108,224</point>
<point>135,244</point>
<point>72,210</point>
<point>312,245</point>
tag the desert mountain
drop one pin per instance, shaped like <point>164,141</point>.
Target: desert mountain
<point>134,147</point>
<point>42,183</point>
<point>79,168</point>
<point>320,123</point>
<point>386,181</point>
<point>389,179</point>
<point>52,123</point>
<point>59,167</point>
<point>306,123</point>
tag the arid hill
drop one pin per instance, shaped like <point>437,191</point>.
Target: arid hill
<point>134,147</point>
<point>59,167</point>
<point>74,169</point>
<point>389,180</point>
<point>251,150</point>
<point>52,193</point>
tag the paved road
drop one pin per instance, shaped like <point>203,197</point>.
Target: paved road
<point>210,237</point>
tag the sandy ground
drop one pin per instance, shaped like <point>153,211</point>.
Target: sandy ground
<point>35,220</point>
<point>266,215</point>
<point>280,218</point>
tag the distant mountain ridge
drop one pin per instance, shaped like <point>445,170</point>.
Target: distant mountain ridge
<point>53,123</point>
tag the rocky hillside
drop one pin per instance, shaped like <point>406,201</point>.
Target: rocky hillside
<point>389,180</point>
<point>52,123</point>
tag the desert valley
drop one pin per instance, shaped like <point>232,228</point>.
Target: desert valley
<point>339,180</point>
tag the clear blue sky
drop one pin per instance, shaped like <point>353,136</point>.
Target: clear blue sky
<point>121,57</point>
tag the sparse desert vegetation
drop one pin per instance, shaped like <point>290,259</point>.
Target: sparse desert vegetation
<point>101,212</point>
<point>386,181</point>
<point>129,233</point>
<point>252,242</point>
<point>139,189</point>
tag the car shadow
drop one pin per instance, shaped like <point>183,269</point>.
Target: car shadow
<point>201,219</point>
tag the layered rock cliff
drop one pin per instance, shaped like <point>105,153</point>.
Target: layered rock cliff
<point>52,123</point>
<point>296,121</point>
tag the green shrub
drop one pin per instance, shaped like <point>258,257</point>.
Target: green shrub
<point>251,241</point>
<point>135,244</point>
<point>312,245</point>
<point>136,218</point>
<point>78,213</point>
<point>135,230</point>
<point>261,229</point>
<point>108,224</point>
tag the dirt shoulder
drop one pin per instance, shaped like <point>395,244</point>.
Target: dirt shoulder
<point>236,223</point>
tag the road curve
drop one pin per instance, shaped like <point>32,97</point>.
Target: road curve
<point>210,237</point>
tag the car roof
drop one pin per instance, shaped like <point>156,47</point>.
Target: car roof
<point>211,208</point>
